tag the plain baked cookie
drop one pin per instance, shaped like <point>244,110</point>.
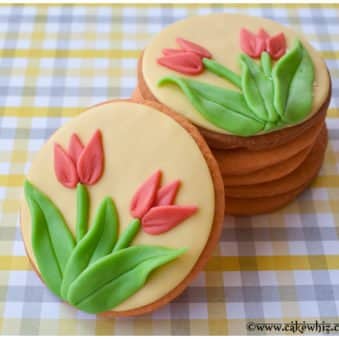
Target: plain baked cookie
<point>111,203</point>
<point>248,207</point>
<point>303,174</point>
<point>243,161</point>
<point>270,173</point>
<point>264,203</point>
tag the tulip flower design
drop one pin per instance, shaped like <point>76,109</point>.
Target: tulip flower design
<point>261,100</point>
<point>69,264</point>
<point>276,46</point>
<point>190,46</point>
<point>192,59</point>
<point>254,44</point>
<point>187,59</point>
<point>154,205</point>
<point>81,164</point>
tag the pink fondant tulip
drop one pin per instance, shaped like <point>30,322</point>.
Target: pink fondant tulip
<point>171,51</point>
<point>75,147</point>
<point>185,62</point>
<point>254,44</point>
<point>144,197</point>
<point>161,219</point>
<point>90,163</point>
<point>154,205</point>
<point>251,44</point>
<point>190,46</point>
<point>80,164</point>
<point>166,194</point>
<point>64,168</point>
<point>262,34</point>
<point>276,46</point>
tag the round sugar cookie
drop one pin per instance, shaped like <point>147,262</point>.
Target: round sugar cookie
<point>250,207</point>
<point>298,178</point>
<point>243,161</point>
<point>136,95</point>
<point>110,205</point>
<point>237,78</point>
<point>270,173</point>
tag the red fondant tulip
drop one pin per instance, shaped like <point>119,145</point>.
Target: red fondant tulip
<point>80,164</point>
<point>75,148</point>
<point>251,44</point>
<point>167,193</point>
<point>90,164</point>
<point>154,205</point>
<point>262,34</point>
<point>254,44</point>
<point>145,196</point>
<point>161,219</point>
<point>171,51</point>
<point>64,168</point>
<point>185,62</point>
<point>190,46</point>
<point>276,46</point>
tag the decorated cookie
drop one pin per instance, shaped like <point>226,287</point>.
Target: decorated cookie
<point>257,91</point>
<point>111,203</point>
<point>237,78</point>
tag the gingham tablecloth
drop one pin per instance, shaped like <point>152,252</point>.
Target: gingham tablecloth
<point>57,60</point>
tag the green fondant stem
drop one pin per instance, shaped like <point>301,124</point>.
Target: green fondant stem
<point>266,64</point>
<point>82,212</point>
<point>258,89</point>
<point>222,71</point>
<point>96,243</point>
<point>128,235</point>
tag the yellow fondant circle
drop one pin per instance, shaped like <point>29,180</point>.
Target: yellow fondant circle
<point>137,140</point>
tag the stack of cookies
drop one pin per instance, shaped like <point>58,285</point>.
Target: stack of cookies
<point>257,91</point>
<point>113,197</point>
<point>259,181</point>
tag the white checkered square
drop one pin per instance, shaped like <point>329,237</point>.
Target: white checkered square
<point>198,311</point>
<point>235,310</point>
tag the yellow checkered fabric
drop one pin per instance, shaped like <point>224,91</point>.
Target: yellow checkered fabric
<point>55,61</point>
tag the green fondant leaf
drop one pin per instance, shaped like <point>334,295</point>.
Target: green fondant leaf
<point>98,242</point>
<point>232,100</point>
<point>293,77</point>
<point>223,108</point>
<point>114,278</point>
<point>266,64</point>
<point>52,242</point>
<point>128,235</point>
<point>270,126</point>
<point>82,211</point>
<point>257,89</point>
<point>222,71</point>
